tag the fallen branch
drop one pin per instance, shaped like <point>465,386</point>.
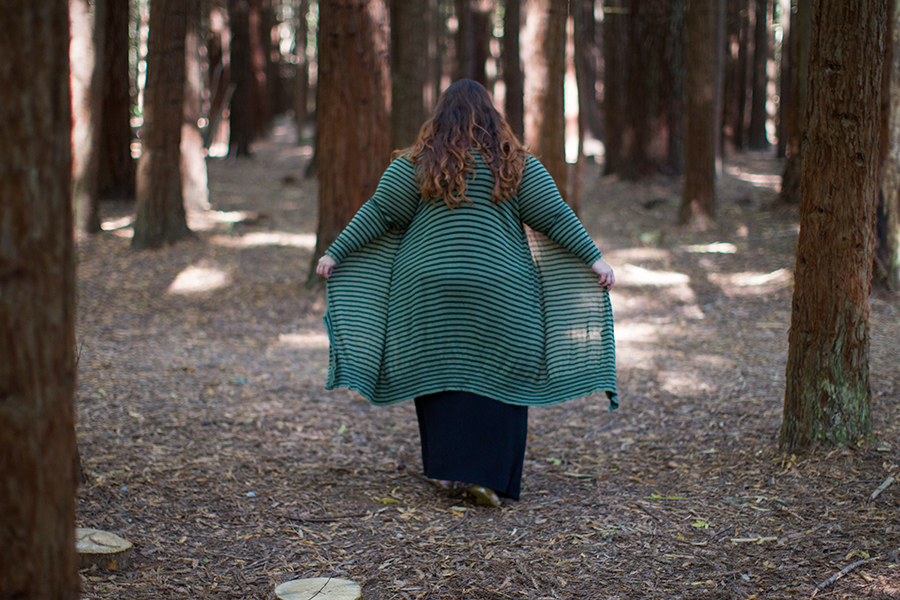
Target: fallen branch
<point>839,574</point>
<point>885,485</point>
<point>324,518</point>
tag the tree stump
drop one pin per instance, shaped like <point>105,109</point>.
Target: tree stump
<point>320,588</point>
<point>101,548</point>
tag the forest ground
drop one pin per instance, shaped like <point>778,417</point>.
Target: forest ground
<point>209,441</point>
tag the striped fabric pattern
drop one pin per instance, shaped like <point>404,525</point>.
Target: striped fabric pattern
<point>493,299</point>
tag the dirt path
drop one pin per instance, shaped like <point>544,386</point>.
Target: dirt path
<point>210,442</point>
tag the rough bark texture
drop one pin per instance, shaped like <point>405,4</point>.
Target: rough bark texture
<point>37,306</point>
<point>615,35</point>
<point>116,177</point>
<point>673,86</point>
<point>87,52</point>
<point>240,73</point>
<point>698,195</point>
<point>587,64</point>
<point>796,119</point>
<point>758,114</point>
<point>353,138</point>
<point>472,39</point>
<point>195,187</point>
<point>513,75</point>
<point>545,70</point>
<point>827,395</point>
<point>301,73</point>
<point>160,202</point>
<point>888,252</point>
<point>408,43</point>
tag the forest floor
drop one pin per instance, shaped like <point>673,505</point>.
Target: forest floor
<point>209,441</point>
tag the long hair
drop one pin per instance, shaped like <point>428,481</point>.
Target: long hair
<point>465,120</point>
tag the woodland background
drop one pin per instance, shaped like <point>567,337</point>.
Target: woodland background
<point>736,160</point>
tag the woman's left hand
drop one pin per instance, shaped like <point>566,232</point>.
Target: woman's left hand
<point>605,272</point>
<point>326,266</point>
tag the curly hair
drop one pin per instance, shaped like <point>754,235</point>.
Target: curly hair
<point>465,120</point>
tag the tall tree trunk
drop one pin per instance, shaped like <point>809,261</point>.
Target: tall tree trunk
<point>513,76</point>
<point>160,202</point>
<point>408,42</point>
<point>888,244</point>
<point>739,127</point>
<point>545,71</point>
<point>827,395</point>
<point>796,120</point>
<point>699,193</point>
<point>87,51</point>
<point>673,87</point>
<point>615,38</point>
<point>261,99</point>
<point>758,113</point>
<point>353,122</point>
<point>788,19</point>
<point>195,186</point>
<point>241,77</point>
<point>116,177</point>
<point>472,39</point>
<point>301,73</point>
<point>587,60</point>
<point>37,306</point>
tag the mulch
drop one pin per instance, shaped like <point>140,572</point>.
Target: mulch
<point>209,441</point>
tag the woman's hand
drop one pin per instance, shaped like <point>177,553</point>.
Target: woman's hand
<point>605,272</point>
<point>326,266</point>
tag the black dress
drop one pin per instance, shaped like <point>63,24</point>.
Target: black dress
<point>473,439</point>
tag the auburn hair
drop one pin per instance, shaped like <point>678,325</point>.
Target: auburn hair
<point>465,120</point>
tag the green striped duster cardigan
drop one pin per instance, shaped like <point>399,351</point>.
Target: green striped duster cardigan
<point>426,299</point>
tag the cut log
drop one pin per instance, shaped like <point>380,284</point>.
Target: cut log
<point>320,588</point>
<point>101,548</point>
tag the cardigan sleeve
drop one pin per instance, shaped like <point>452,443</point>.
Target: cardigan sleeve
<point>391,208</point>
<point>543,209</point>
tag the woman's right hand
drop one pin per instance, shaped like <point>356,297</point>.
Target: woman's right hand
<point>326,266</point>
<point>606,276</point>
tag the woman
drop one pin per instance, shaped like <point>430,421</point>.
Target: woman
<point>438,292</point>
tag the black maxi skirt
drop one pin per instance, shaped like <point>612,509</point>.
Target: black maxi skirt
<point>469,438</point>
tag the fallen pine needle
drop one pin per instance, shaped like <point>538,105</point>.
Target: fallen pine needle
<point>755,540</point>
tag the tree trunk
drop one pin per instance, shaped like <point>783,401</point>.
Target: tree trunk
<point>587,60</point>
<point>472,39</point>
<point>241,77</point>
<point>545,71</point>
<point>699,193</point>
<point>739,127</point>
<point>758,113</point>
<point>513,75</point>
<point>888,253</point>
<point>827,394</point>
<point>116,177</point>
<point>796,120</point>
<point>160,202</point>
<point>37,306</point>
<point>301,73</point>
<point>260,57</point>
<point>785,91</point>
<point>673,87</point>
<point>408,44</point>
<point>87,50</point>
<point>194,180</point>
<point>353,123</point>
<point>615,37</point>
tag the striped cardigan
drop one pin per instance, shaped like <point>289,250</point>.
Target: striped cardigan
<point>427,299</point>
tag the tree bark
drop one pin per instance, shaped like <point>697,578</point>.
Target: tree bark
<point>160,201</point>
<point>545,70</point>
<point>37,306</point>
<point>116,177</point>
<point>785,91</point>
<point>827,394</point>
<point>739,127</point>
<point>888,252</point>
<point>194,180</point>
<point>796,120</point>
<point>615,38</point>
<point>353,122</point>
<point>408,45</point>
<point>301,73</point>
<point>240,71</point>
<point>87,52</point>
<point>758,114</point>
<point>513,76</point>
<point>674,87</point>
<point>699,193</point>
<point>472,39</point>
<point>587,60</point>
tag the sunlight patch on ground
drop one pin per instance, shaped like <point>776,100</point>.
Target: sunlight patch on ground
<point>751,283</point>
<point>636,254</point>
<point>772,182</point>
<point>633,275</point>
<point>714,248</point>
<point>637,332</point>
<point>196,279</point>
<point>267,238</point>
<point>681,383</point>
<point>303,339</point>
